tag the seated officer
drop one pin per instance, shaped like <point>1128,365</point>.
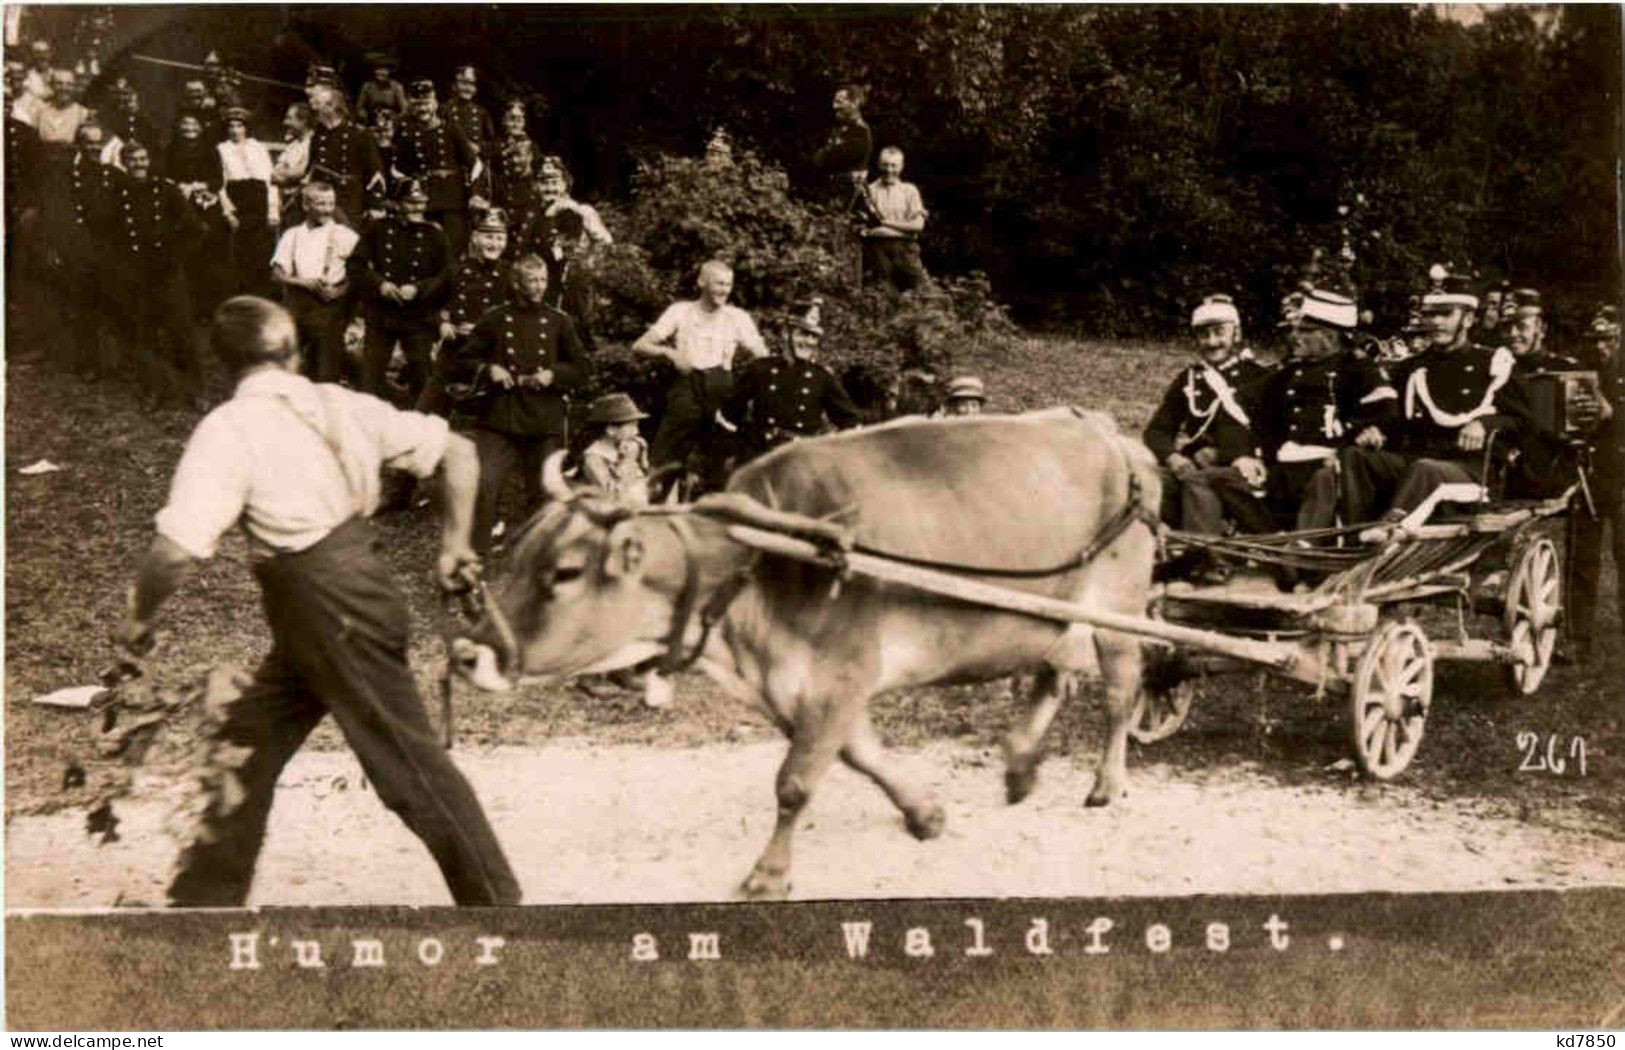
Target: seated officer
<point>1322,397</point>
<point>1452,398</point>
<point>780,398</point>
<point>1202,432</point>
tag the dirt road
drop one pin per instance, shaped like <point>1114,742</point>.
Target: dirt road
<point>588,823</point>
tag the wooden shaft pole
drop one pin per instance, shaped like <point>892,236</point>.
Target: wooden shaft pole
<point>1277,656</point>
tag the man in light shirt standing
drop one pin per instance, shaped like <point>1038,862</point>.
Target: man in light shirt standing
<point>309,265</point>
<point>703,335</point>
<point>891,241</point>
<point>297,464</point>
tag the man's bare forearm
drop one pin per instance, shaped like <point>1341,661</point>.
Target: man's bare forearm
<point>163,569</point>
<point>460,472</point>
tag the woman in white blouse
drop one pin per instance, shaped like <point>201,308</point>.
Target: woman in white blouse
<point>249,201</point>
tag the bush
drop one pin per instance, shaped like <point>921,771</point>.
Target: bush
<point>684,211</point>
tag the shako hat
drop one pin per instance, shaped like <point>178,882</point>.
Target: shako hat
<point>494,220</point>
<point>422,87</point>
<point>412,190</point>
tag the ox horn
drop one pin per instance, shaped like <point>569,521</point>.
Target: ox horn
<point>553,482</point>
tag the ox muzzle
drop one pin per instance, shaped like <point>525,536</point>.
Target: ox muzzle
<point>488,654</point>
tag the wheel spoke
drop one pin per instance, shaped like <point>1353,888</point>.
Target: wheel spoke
<point>1387,757</point>
<point>1371,727</point>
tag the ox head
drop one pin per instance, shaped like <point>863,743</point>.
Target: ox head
<point>589,585</point>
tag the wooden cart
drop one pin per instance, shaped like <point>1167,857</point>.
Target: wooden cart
<point>1349,626</point>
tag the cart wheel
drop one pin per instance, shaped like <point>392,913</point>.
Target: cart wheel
<point>1162,712</point>
<point>1534,600</point>
<point>1393,686</point>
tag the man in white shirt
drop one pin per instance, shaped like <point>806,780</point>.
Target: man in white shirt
<point>891,241</point>
<point>309,265</point>
<point>297,465</point>
<point>703,335</point>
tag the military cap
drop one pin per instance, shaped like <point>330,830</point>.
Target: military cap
<point>494,220</point>
<point>422,87</point>
<point>40,47</point>
<point>412,190</point>
<point>615,408</point>
<point>464,75</point>
<point>321,73</point>
<point>1525,302</point>
<point>967,388</point>
<point>1330,309</point>
<point>805,315</point>
<point>1215,309</point>
<point>212,59</point>
<point>379,60</point>
<point>551,162</point>
<point>234,113</point>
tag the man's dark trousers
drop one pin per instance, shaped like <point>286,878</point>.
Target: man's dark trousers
<point>1204,497</point>
<point>321,329</point>
<point>416,336</point>
<point>499,454</point>
<point>1376,479</point>
<point>691,405</point>
<point>339,637</point>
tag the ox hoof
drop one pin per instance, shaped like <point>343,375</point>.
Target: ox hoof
<point>1101,796</point>
<point>761,886</point>
<point>1019,783</point>
<point>927,823</point>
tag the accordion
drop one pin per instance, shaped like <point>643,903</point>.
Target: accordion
<point>1565,403</point>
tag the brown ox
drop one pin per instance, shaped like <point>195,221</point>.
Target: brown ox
<point>591,586</point>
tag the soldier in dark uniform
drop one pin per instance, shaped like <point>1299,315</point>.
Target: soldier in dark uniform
<point>401,267</point>
<point>468,116</point>
<point>569,277</point>
<point>126,122</point>
<point>153,227</point>
<point>479,284</point>
<point>1524,319</point>
<point>1202,432</point>
<point>1452,398</point>
<point>1547,464</point>
<point>22,170</point>
<point>513,160</point>
<point>385,126</point>
<point>438,154</point>
<point>528,356</point>
<point>789,395</point>
<point>1607,487</point>
<point>85,263</point>
<point>344,155</point>
<point>1322,399</point>
<point>844,158</point>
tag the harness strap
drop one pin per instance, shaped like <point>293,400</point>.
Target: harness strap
<point>1134,510</point>
<point>714,609</point>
